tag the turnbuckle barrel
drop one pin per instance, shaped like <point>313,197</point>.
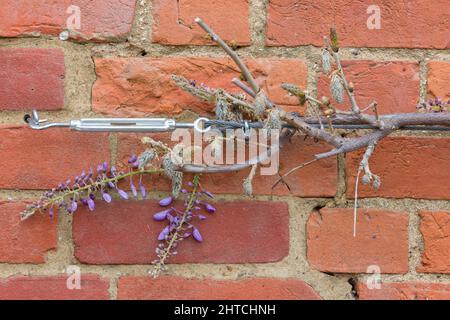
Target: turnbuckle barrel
<point>123,125</point>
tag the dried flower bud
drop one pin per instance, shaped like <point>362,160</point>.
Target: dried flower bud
<point>376,183</point>
<point>222,110</point>
<point>260,103</point>
<point>177,181</point>
<point>247,186</point>
<point>168,166</point>
<point>336,88</point>
<point>145,157</point>
<point>326,61</point>
<point>365,179</point>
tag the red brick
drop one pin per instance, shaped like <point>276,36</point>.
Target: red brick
<point>53,288</point>
<point>174,21</point>
<point>143,86</point>
<point>35,79</point>
<point>438,79</point>
<point>409,167</point>
<point>317,180</point>
<point>394,85</point>
<point>100,20</point>
<point>177,288</point>
<point>435,229</point>
<point>24,241</point>
<point>125,233</point>
<point>405,291</point>
<point>381,240</point>
<point>41,160</point>
<point>408,24</point>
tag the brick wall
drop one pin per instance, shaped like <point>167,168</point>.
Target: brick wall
<point>295,244</point>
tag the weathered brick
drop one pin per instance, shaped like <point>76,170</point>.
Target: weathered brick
<point>143,86</point>
<point>125,233</point>
<point>24,241</point>
<point>435,229</point>
<point>177,288</point>
<point>409,167</point>
<point>99,20</point>
<point>41,160</point>
<point>438,79</point>
<point>381,240</point>
<point>35,79</point>
<point>53,288</point>
<point>174,21</point>
<point>394,85</point>
<point>404,24</point>
<point>317,180</point>
<point>405,291</point>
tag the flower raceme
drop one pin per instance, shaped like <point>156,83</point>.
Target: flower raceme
<point>89,187</point>
<point>180,223</point>
<point>92,186</point>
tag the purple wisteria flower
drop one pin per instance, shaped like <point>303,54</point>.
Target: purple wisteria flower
<point>180,223</point>
<point>166,201</point>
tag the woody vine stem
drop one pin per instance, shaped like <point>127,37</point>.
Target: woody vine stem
<point>252,104</point>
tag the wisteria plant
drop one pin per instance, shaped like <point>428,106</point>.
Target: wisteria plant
<point>322,121</point>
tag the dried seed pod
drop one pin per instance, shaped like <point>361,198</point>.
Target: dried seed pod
<point>177,181</point>
<point>366,179</point>
<point>247,186</point>
<point>376,182</point>
<point>169,167</point>
<point>260,103</point>
<point>326,61</point>
<point>145,157</point>
<point>336,88</point>
<point>222,110</point>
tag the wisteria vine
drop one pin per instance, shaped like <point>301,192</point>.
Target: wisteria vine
<point>251,105</point>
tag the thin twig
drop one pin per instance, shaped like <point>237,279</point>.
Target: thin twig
<point>244,88</point>
<point>248,76</point>
<point>292,170</point>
